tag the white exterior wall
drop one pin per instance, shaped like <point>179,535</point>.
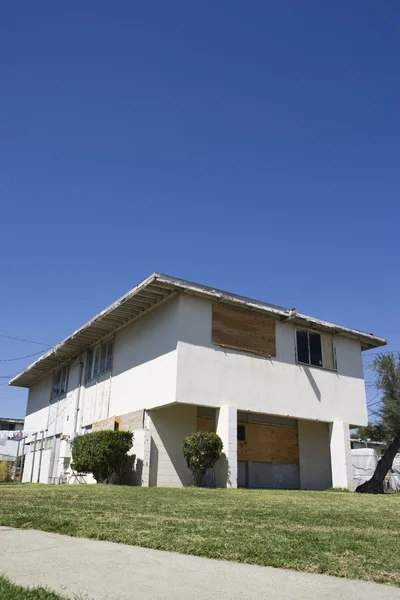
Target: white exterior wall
<point>342,469</point>
<point>145,361</point>
<point>314,455</point>
<point>168,428</point>
<point>213,376</point>
<point>143,375</point>
<point>58,416</point>
<point>226,469</point>
<point>37,410</point>
<point>44,469</point>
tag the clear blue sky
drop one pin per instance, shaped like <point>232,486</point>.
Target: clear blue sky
<point>252,146</point>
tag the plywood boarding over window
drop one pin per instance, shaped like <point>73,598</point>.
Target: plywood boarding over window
<point>205,423</point>
<point>243,330</point>
<point>269,443</point>
<point>327,351</point>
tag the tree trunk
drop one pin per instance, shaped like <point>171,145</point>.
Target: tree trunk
<point>375,484</point>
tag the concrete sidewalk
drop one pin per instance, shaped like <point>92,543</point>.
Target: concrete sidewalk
<point>107,571</point>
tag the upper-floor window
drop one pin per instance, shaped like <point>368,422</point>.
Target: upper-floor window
<point>60,381</point>
<point>315,348</point>
<point>99,360</point>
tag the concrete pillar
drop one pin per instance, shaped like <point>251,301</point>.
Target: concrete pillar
<point>146,458</point>
<point>342,469</point>
<point>226,467</point>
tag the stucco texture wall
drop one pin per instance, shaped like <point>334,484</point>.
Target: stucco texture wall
<point>168,428</point>
<point>145,361</point>
<point>57,416</point>
<point>44,467</point>
<point>314,455</point>
<point>278,385</point>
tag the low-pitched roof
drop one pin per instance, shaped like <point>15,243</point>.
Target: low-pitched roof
<point>151,293</point>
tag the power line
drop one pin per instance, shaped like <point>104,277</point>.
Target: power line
<point>22,357</point>
<point>10,337</point>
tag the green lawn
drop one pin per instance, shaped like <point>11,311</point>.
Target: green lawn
<point>342,534</point>
<point>10,591</point>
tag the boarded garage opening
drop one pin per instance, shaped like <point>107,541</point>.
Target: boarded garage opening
<point>268,449</point>
<point>268,456</point>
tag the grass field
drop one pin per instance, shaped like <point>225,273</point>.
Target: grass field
<point>342,534</point>
<point>10,591</point>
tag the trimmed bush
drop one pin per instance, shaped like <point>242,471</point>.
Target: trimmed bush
<point>103,453</point>
<point>201,451</point>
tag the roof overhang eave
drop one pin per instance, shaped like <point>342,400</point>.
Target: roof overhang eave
<point>151,293</point>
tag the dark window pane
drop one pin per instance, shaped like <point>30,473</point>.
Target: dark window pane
<point>96,362</point>
<point>56,384</point>
<point>302,347</point>
<point>241,433</point>
<point>64,377</point>
<point>315,349</point>
<point>109,355</point>
<point>103,357</point>
<point>89,365</point>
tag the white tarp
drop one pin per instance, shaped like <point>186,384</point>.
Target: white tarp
<point>364,462</point>
<point>394,478</point>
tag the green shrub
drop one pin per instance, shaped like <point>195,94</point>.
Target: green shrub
<point>201,451</point>
<point>103,453</point>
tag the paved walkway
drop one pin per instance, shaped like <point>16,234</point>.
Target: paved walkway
<point>107,571</point>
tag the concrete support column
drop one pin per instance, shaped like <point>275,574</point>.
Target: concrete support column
<point>342,469</point>
<point>146,458</point>
<point>226,467</point>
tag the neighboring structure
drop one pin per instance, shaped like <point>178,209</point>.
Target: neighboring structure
<point>358,443</point>
<point>172,357</point>
<point>8,437</point>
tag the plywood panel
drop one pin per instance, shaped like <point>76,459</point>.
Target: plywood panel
<point>102,399</point>
<point>269,443</point>
<point>205,423</point>
<point>327,350</point>
<point>105,424</point>
<point>243,330</point>
<point>131,421</point>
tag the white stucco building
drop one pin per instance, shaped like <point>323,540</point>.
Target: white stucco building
<point>172,357</point>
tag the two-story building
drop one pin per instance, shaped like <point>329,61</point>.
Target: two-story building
<point>171,357</point>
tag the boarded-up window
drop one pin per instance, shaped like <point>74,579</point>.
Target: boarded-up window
<point>269,443</point>
<point>243,330</point>
<point>205,423</point>
<point>327,351</point>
